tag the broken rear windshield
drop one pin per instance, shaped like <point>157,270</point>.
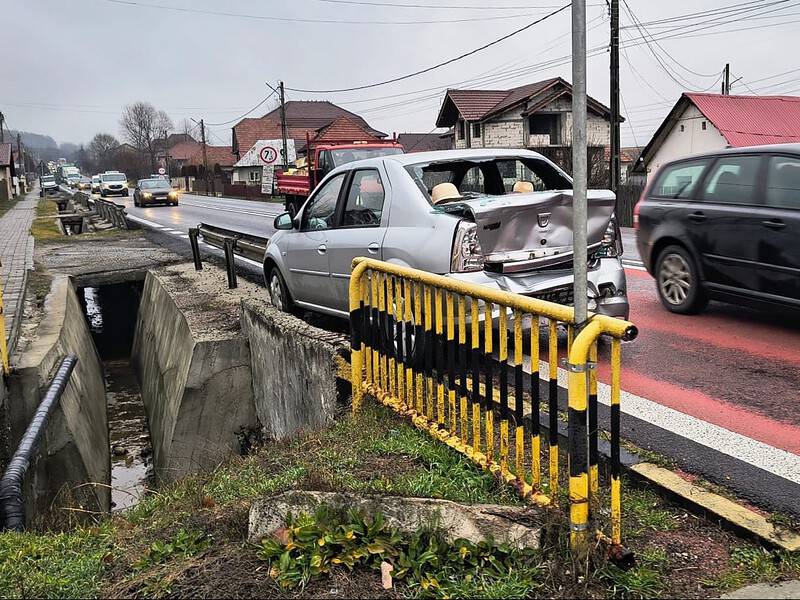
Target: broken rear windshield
<point>490,177</point>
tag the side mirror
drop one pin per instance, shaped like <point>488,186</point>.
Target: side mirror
<point>283,221</point>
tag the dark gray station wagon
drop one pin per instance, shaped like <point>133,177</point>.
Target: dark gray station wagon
<point>726,226</point>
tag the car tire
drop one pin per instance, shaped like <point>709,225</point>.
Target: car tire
<point>278,292</point>
<point>678,281</point>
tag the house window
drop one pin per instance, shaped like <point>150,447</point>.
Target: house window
<point>461,131</point>
<point>255,176</point>
<point>682,128</point>
<point>546,124</point>
<point>476,130</point>
<point>703,125</point>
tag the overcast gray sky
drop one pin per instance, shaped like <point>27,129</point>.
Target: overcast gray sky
<point>70,66</point>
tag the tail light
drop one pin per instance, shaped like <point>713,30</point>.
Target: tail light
<point>467,253</point>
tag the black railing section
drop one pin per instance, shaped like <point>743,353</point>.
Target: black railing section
<point>12,506</point>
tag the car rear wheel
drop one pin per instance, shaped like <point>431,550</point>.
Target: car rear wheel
<point>278,293</point>
<point>678,283</point>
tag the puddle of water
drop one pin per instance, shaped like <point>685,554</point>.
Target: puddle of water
<point>130,440</point>
<point>111,312</point>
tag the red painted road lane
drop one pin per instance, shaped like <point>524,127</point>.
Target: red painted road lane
<point>730,366</point>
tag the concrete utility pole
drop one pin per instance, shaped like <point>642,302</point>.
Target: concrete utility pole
<point>614,168</point>
<point>19,153</point>
<point>2,120</point>
<point>726,80</point>
<point>284,133</point>
<point>579,166</point>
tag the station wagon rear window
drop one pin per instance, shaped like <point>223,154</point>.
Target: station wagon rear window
<point>679,180</point>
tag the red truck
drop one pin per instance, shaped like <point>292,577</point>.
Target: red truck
<point>296,184</point>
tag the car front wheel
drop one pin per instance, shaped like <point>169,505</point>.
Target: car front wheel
<point>678,282</point>
<point>278,293</point>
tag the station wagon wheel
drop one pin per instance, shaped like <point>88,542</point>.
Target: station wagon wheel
<point>278,293</point>
<point>677,281</point>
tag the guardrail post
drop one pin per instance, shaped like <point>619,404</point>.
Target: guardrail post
<point>356,334</point>
<point>193,233</point>
<point>578,391</point>
<point>230,262</point>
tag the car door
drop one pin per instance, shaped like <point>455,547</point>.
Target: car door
<point>307,252</point>
<point>779,229</point>
<point>729,223</point>
<point>360,230</point>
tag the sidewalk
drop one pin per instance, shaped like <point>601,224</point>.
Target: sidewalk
<point>16,256</point>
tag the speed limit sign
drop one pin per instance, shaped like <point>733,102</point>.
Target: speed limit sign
<point>268,155</point>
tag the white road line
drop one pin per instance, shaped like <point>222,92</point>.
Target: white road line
<point>632,266</point>
<point>136,219</point>
<point>753,452</point>
<point>184,236</point>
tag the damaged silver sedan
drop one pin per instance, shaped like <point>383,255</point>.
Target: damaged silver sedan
<point>500,218</point>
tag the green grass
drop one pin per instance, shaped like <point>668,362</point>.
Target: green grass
<point>6,205</point>
<point>63,565</point>
<point>750,564</point>
<point>45,226</point>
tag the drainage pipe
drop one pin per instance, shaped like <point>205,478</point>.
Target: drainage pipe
<point>12,508</point>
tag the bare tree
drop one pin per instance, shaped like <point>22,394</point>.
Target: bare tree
<point>102,149</point>
<point>143,127</point>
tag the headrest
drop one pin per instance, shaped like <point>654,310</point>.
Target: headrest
<point>443,192</point>
<point>522,187</point>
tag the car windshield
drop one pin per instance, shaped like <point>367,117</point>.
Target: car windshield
<point>48,179</point>
<point>344,156</point>
<point>154,184</point>
<point>114,177</point>
<point>489,177</point>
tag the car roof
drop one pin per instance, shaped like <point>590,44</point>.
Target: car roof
<point>442,155</point>
<point>765,149</point>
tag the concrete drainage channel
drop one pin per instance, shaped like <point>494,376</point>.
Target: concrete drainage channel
<point>111,312</point>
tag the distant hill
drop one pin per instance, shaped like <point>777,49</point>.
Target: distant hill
<point>34,141</point>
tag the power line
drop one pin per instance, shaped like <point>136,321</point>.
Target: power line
<point>272,93</point>
<point>219,13</point>
<point>439,65</point>
<point>437,6</point>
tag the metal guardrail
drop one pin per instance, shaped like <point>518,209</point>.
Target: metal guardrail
<point>111,212</point>
<point>11,502</point>
<point>246,245</point>
<point>417,345</point>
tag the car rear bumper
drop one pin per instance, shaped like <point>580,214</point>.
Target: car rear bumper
<point>607,286</point>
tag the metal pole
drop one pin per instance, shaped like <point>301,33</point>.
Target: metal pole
<point>230,262</point>
<point>726,86</point>
<point>205,157</point>
<point>615,174</point>
<point>193,233</point>
<point>284,132</point>
<point>578,392</point>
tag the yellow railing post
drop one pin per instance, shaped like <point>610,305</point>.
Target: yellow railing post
<point>356,334</point>
<point>578,440</point>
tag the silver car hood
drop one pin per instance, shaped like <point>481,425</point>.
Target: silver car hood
<point>533,222</point>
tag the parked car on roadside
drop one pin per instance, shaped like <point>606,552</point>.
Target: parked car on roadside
<point>726,226</point>
<point>154,191</point>
<point>113,182</point>
<point>499,218</point>
<point>95,184</point>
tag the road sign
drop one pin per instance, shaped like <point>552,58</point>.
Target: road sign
<point>267,179</point>
<point>268,155</point>
<point>161,170</point>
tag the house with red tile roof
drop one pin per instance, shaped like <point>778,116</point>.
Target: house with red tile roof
<point>701,122</point>
<point>303,117</point>
<point>537,116</point>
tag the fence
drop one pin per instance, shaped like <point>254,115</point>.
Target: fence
<point>627,197</point>
<point>423,344</point>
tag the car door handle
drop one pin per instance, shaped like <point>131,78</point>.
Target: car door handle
<point>322,248</point>
<point>774,224</point>
<point>697,217</point>
<point>373,248</point>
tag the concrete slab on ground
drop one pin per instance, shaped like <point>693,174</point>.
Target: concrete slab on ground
<point>778,591</point>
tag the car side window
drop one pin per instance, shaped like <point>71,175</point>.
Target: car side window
<point>320,212</point>
<point>783,182</point>
<point>679,180</point>
<point>732,180</point>
<point>365,198</point>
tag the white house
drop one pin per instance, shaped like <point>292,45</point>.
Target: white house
<point>702,122</point>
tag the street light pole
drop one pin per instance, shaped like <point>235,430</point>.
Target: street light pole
<point>579,162</point>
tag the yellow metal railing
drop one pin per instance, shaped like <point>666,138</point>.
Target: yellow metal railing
<point>3,345</point>
<point>424,345</point>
